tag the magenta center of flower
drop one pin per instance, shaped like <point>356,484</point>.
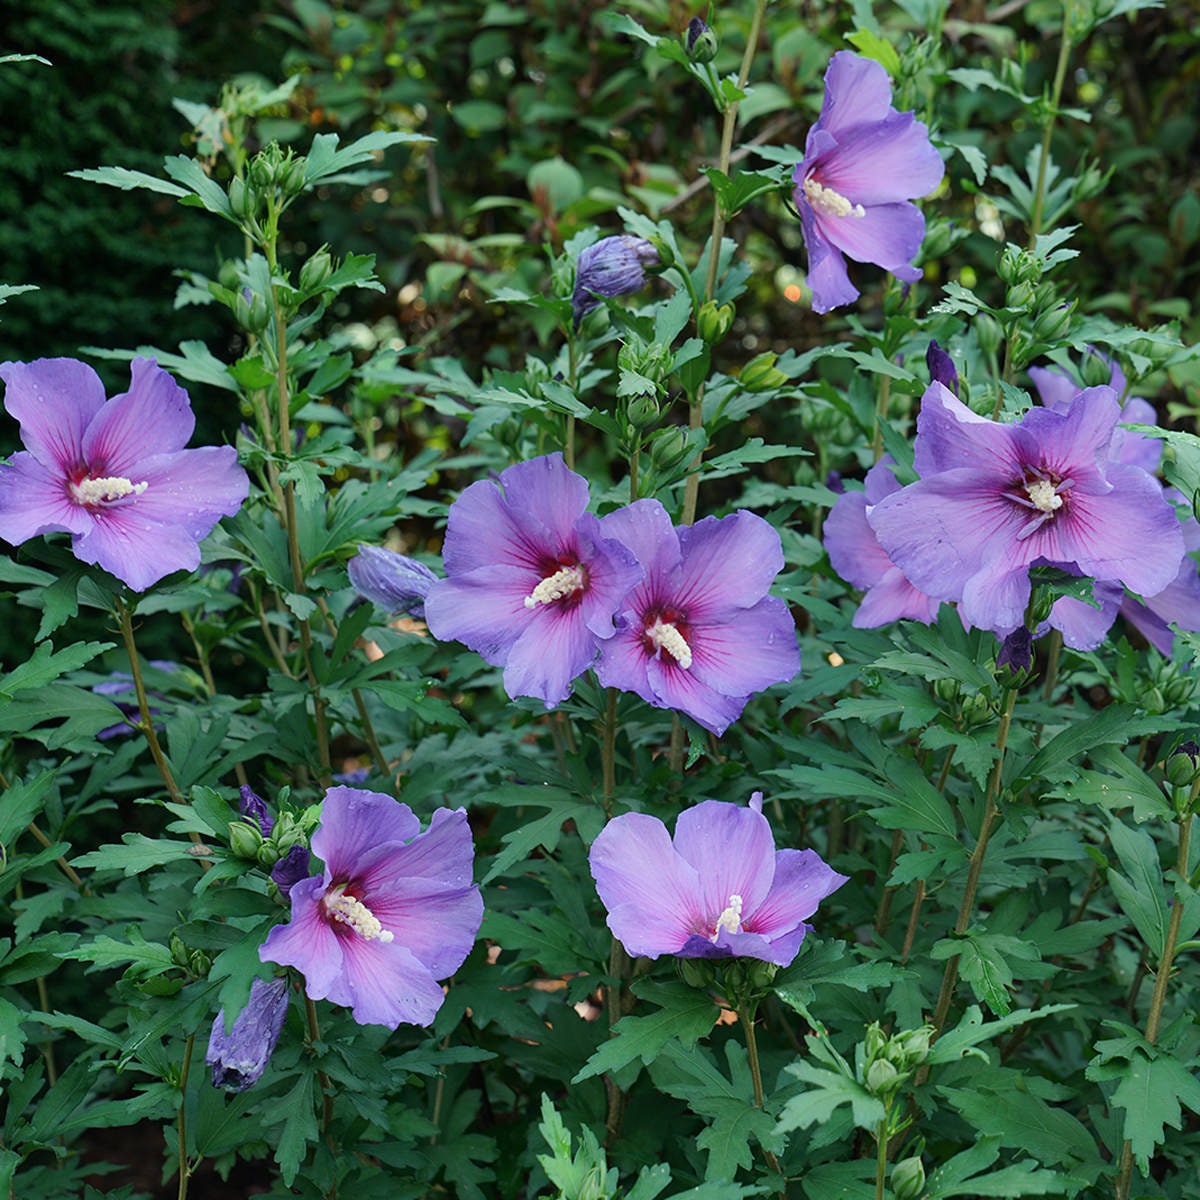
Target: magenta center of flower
<point>102,491</point>
<point>730,919</point>
<point>341,907</point>
<point>665,630</point>
<point>562,582</point>
<point>1044,495</point>
<point>829,202</point>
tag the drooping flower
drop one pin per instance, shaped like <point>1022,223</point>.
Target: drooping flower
<point>856,555</point>
<point>613,266</point>
<point>863,162</point>
<point>719,889</point>
<point>239,1057</point>
<point>993,500</point>
<point>113,473</point>
<point>394,911</point>
<point>531,582</point>
<point>393,581</point>
<point>699,633</point>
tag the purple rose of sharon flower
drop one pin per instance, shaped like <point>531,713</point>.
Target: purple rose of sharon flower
<point>863,162</point>
<point>719,890</point>
<point>699,633</point>
<point>994,500</point>
<point>613,266</point>
<point>531,583</point>
<point>113,473</point>
<point>394,911</point>
<point>239,1057</point>
<point>856,555</point>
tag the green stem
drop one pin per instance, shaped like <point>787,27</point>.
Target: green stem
<point>967,908</point>
<point>881,411</point>
<point>746,1013</point>
<point>1060,74</point>
<point>608,752</point>
<point>881,1157</point>
<point>314,1036</point>
<point>691,487</point>
<point>185,1170</point>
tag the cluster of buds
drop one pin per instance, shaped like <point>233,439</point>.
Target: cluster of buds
<point>736,983</point>
<point>886,1061</point>
<point>278,844</point>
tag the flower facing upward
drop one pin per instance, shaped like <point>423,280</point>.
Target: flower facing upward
<point>531,583</point>
<point>863,161</point>
<point>610,267</point>
<point>720,889</point>
<point>239,1057</point>
<point>394,911</point>
<point>699,633</point>
<point>994,500</point>
<point>113,473</point>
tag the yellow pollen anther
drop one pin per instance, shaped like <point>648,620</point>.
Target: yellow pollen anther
<point>665,636</point>
<point>831,203</point>
<point>1043,495</point>
<point>348,910</point>
<point>105,490</point>
<point>730,919</point>
<point>563,583</point>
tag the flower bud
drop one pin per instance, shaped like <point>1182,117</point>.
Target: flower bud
<point>946,690</point>
<point>914,1045</point>
<point>882,1077</point>
<point>290,870</point>
<point>613,266</point>
<point>1096,369</point>
<point>941,367</point>
<point>875,1041</point>
<point>242,202</point>
<point>290,177</point>
<point>1016,654</point>
<point>1009,264</point>
<point>908,1178</point>
<point>244,840</point>
<point>316,270</point>
<point>1053,323</point>
<point>239,1057</point>
<point>700,41</point>
<point>267,855</point>
<point>761,374</point>
<point>642,411</point>
<point>251,311</point>
<point>976,709</point>
<point>987,332</point>
<point>669,448</point>
<point>1019,296</point>
<point>696,972</point>
<point>394,581</point>
<point>254,808</point>
<point>713,322</point>
<point>1182,765</point>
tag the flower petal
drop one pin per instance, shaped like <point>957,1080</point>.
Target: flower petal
<point>672,687</point>
<point>728,562</point>
<point>553,651</point>
<point>436,922</point>
<point>383,983</point>
<point>801,881</point>
<point>827,275</point>
<point>353,823</point>
<point>134,549</point>
<point>153,417</point>
<point>54,399</point>
<point>732,851</point>
<point>34,500</point>
<point>192,488</point>
<point>753,650</point>
<point>888,235</point>
<point>307,942</point>
<point>879,164</point>
<point>483,608</point>
<point>857,92</point>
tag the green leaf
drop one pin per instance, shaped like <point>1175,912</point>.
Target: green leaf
<point>972,1030</point>
<point>299,1127</point>
<point>1140,891</point>
<point>684,1014</point>
<point>816,1104</point>
<point>21,804</point>
<point>144,958</point>
<point>870,45</point>
<point>137,854</point>
<point>126,180</point>
<point>983,963</point>
<point>1150,1091</point>
<point>46,665</point>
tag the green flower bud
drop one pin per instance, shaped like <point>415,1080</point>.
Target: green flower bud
<point>242,202</point>
<point>642,411</point>
<point>1043,296</point>
<point>1009,264</point>
<point>988,332</point>
<point>882,1077</point>
<point>268,855</point>
<point>318,269</point>
<point>760,975</point>
<point>244,840</point>
<point>1019,296</point>
<point>179,950</point>
<point>713,323</point>
<point>761,374</point>
<point>699,41</point>
<point>669,448</point>
<point>290,177</point>
<point>908,1178</point>
<point>696,972</point>
<point>1053,323</point>
<point>1182,766</point>
<point>1096,370</point>
<point>914,1045</point>
<point>946,690</point>
<point>875,1041</point>
<point>976,709</point>
<point>1154,702</point>
<point>199,964</point>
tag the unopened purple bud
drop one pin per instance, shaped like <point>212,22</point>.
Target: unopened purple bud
<point>239,1057</point>
<point>290,870</point>
<point>254,807</point>
<point>833,481</point>
<point>941,367</point>
<point>1017,652</point>
<point>700,41</point>
<point>391,580</point>
<point>613,266</point>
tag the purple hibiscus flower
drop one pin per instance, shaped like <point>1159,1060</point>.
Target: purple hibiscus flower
<point>239,1057</point>
<point>863,161</point>
<point>699,633</point>
<point>113,473</point>
<point>856,555</point>
<point>531,582</point>
<point>994,500</point>
<point>613,266</point>
<point>1179,602</point>
<point>720,889</point>
<point>394,911</point>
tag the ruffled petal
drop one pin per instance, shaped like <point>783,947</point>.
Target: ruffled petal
<point>436,922</point>
<point>353,823</point>
<point>55,400</point>
<point>879,164</point>
<point>153,417</point>
<point>484,530</point>
<point>383,983</point>
<point>854,550</point>
<point>484,609</point>
<point>644,528</point>
<point>1082,625</point>
<point>623,662</point>
<point>827,275</point>
<point>553,651</point>
<point>34,500</point>
<point>135,549</point>
<point>801,881</point>
<point>728,563</point>
<point>755,649</point>
<point>612,572</point>
<point>732,851</point>
<point>652,896</point>
<point>674,688</point>
<point>893,598</point>
<point>307,942</point>
<point>857,92</point>
<point>950,435</point>
<point>888,235</point>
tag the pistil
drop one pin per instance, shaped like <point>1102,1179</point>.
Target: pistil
<point>105,490</point>
<point>730,919</point>
<point>340,906</point>
<point>563,583</point>
<point>831,203</point>
<point>664,635</point>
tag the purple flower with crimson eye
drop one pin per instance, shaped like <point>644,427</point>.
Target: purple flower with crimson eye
<point>394,911</point>
<point>994,500</point>
<point>863,162</point>
<point>720,889</point>
<point>239,1057</point>
<point>113,473</point>
<point>393,581</point>
<point>613,266</point>
<point>699,633</point>
<point>531,582</point>
<point>856,555</point>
